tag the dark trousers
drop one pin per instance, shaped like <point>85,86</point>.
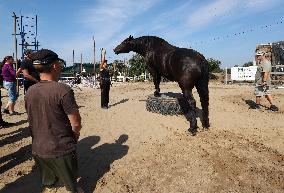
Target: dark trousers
<point>105,87</point>
<point>58,171</point>
<point>27,85</point>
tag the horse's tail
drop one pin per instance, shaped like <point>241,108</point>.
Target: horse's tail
<point>203,91</point>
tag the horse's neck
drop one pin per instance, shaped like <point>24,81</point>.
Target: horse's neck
<point>143,47</point>
<point>140,49</point>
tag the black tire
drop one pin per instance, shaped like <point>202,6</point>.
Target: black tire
<point>166,105</point>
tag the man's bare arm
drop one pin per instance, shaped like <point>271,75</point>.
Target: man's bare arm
<point>265,76</point>
<point>75,120</point>
<point>28,76</point>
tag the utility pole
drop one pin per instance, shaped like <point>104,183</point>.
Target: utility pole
<point>94,56</point>
<point>81,68</point>
<point>101,55</point>
<point>16,46</point>
<point>226,75</point>
<point>73,55</point>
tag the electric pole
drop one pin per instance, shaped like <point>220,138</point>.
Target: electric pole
<point>16,45</point>
<point>73,55</point>
<point>94,56</point>
<point>81,67</point>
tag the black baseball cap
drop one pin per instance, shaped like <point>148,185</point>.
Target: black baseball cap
<point>45,57</point>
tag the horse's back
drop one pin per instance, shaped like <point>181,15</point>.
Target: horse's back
<point>186,65</point>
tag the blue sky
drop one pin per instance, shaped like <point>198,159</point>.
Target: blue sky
<point>64,25</point>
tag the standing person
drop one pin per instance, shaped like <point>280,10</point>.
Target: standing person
<point>55,124</point>
<point>263,81</point>
<point>10,83</point>
<point>2,122</point>
<point>105,81</point>
<point>31,76</point>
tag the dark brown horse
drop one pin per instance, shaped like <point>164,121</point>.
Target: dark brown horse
<point>185,66</point>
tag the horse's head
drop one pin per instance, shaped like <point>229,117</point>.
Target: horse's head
<point>126,46</point>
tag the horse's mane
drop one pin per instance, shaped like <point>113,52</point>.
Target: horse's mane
<point>152,40</point>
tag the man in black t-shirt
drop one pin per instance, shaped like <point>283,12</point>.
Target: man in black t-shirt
<point>31,76</point>
<point>55,124</point>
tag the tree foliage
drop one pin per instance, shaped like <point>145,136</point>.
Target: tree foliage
<point>248,64</point>
<point>214,65</point>
<point>137,65</point>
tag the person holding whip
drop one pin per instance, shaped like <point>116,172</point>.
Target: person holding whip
<point>105,81</point>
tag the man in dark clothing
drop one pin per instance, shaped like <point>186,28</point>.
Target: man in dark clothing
<point>31,76</point>
<point>55,124</point>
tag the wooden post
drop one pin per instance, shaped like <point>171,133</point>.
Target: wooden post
<point>73,61</point>
<point>81,67</point>
<point>16,47</point>
<point>226,76</point>
<point>101,55</point>
<point>94,56</point>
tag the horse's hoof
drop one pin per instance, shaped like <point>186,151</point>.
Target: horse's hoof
<point>156,94</point>
<point>192,132</point>
<point>206,126</point>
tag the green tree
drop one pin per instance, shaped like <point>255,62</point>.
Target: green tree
<point>137,65</point>
<point>248,64</point>
<point>214,65</point>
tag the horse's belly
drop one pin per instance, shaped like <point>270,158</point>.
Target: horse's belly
<point>169,77</point>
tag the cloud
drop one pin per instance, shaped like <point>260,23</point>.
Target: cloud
<point>260,3</point>
<point>220,9</point>
<point>207,14</point>
<point>109,17</point>
<point>111,21</point>
<point>182,22</point>
<point>107,21</point>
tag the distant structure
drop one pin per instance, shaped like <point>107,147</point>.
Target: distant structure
<point>275,53</point>
<point>26,29</point>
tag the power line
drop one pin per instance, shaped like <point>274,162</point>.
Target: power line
<point>236,34</point>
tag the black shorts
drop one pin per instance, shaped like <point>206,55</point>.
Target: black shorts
<point>60,171</point>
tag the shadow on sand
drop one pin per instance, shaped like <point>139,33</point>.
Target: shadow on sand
<point>98,161</point>
<point>93,164</point>
<point>120,102</point>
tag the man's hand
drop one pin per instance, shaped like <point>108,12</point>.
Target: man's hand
<point>264,83</point>
<point>77,135</point>
<point>103,52</point>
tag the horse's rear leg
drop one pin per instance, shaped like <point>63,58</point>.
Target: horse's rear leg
<point>202,89</point>
<point>192,111</point>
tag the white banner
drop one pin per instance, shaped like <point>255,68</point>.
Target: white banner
<point>243,73</point>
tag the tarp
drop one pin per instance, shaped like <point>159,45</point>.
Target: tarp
<point>278,52</point>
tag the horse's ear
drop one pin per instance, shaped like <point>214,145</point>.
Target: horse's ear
<point>131,37</point>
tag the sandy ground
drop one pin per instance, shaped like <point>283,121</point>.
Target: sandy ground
<point>127,149</point>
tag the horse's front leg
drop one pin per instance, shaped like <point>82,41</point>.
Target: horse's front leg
<point>156,79</point>
<point>157,85</point>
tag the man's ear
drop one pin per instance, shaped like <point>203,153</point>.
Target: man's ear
<point>53,66</point>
